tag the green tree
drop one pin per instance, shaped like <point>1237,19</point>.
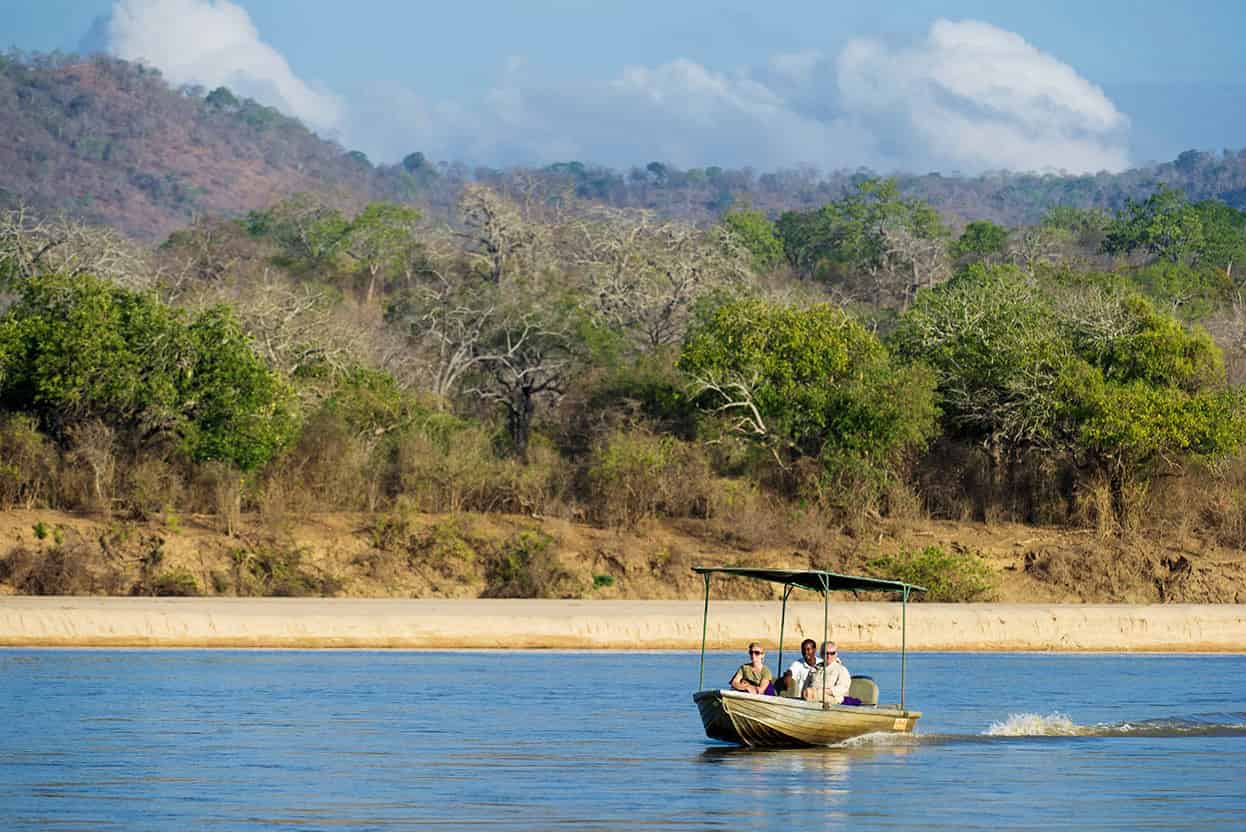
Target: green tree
<point>382,241</point>
<point>237,409</point>
<point>756,233</point>
<point>221,99</point>
<point>1164,225</point>
<point>873,240</point>
<point>981,240</point>
<point>1224,235</point>
<point>1092,372</point>
<point>78,348</point>
<point>993,340</point>
<point>809,382</point>
<point>310,233</point>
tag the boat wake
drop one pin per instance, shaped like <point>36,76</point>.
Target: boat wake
<point>1059,725</point>
<point>879,740</point>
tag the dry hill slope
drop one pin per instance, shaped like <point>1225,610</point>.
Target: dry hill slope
<point>111,142</point>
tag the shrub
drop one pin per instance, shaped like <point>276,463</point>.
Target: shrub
<point>330,463</point>
<point>947,576</point>
<point>526,567</point>
<point>64,569</point>
<point>150,486</point>
<point>635,475</point>
<point>278,572</point>
<point>93,445</point>
<point>27,462</point>
<point>219,492</point>
<point>179,583</point>
<point>446,465</point>
<point>446,549</point>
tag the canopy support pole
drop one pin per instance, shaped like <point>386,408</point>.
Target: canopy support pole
<point>826,634</point>
<point>787,590</point>
<point>904,628</point>
<point>705,617</point>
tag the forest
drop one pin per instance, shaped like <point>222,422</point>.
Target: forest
<point>792,378</point>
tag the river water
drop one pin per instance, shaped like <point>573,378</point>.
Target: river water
<point>156,739</point>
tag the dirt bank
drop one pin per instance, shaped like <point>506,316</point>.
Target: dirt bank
<point>621,625</point>
<point>492,555</point>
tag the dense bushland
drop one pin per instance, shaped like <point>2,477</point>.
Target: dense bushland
<point>784,381</point>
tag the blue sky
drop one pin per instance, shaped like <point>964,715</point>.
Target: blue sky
<point>704,83</point>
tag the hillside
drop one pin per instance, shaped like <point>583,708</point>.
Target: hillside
<point>111,142</point>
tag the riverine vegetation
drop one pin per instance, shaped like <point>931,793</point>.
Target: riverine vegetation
<point>799,380</point>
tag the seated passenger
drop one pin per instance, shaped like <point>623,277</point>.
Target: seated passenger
<point>754,676</point>
<point>832,677</point>
<point>793,680</point>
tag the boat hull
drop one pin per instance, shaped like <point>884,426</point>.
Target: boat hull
<point>777,722</point>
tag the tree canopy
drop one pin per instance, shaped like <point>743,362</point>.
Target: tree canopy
<point>808,382</point>
<point>77,348</point>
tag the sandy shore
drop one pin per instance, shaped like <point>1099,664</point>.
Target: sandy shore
<point>618,625</point>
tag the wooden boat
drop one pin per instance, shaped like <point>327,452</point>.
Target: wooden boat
<point>776,721</point>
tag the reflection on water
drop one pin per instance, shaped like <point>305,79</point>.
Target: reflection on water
<point>820,771</point>
<point>135,740</point>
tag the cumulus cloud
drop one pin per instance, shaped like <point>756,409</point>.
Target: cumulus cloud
<point>214,43</point>
<point>968,96</point>
<point>978,96</point>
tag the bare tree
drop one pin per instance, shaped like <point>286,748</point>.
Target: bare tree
<point>494,232</point>
<point>31,245</point>
<point>297,326</point>
<point>1028,247</point>
<point>643,276</point>
<point>525,361</point>
<point>446,323</point>
<point>911,262</point>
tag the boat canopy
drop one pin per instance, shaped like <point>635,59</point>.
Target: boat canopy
<point>817,580</point>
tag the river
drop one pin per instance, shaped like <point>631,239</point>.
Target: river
<point>207,739</point>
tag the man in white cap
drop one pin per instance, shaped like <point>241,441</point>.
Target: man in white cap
<point>832,677</point>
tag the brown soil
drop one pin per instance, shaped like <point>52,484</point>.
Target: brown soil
<point>476,555</point>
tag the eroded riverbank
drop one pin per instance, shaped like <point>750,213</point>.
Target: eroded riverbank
<point>608,625</point>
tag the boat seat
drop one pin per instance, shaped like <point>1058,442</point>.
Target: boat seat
<point>865,689</point>
<point>785,693</point>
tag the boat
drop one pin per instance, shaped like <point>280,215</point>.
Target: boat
<point>758,721</point>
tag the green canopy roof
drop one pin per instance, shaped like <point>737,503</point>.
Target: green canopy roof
<point>814,579</point>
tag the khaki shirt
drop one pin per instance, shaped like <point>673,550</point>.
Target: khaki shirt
<point>838,680</point>
<point>754,677</point>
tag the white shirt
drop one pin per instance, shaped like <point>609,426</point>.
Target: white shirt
<point>838,681</point>
<point>800,672</point>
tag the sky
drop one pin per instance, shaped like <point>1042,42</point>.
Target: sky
<point>954,86</point>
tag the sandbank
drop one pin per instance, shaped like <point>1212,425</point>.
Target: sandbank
<point>608,625</point>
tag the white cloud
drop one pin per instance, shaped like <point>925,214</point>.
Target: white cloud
<point>977,96</point>
<point>214,43</point>
<point>968,96</point>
